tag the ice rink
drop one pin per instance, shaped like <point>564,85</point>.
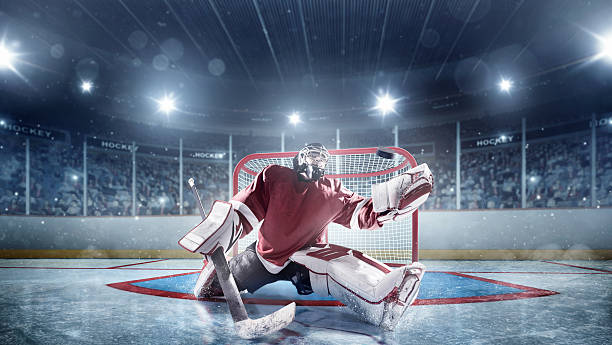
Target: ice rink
<point>127,301</point>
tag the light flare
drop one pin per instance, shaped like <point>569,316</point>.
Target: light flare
<point>385,104</point>
<point>167,104</point>
<point>505,85</point>
<point>294,118</point>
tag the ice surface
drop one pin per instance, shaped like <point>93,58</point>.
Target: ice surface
<point>73,305</point>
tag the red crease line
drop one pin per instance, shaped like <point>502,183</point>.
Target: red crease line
<point>100,268</point>
<point>584,268</point>
<point>138,263</point>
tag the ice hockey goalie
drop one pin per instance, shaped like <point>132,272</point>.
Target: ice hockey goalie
<point>292,208</point>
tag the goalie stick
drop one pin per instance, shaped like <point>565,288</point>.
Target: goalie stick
<point>194,189</point>
<point>246,327</point>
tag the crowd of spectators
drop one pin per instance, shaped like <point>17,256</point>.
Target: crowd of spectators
<point>444,195</point>
<point>109,183</point>
<point>56,179</point>
<point>491,178</point>
<point>604,169</point>
<point>157,184</point>
<point>212,181</point>
<point>558,172</point>
<point>12,175</point>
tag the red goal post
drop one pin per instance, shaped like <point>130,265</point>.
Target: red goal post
<point>358,169</point>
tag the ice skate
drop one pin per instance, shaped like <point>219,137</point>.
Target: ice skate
<point>407,291</point>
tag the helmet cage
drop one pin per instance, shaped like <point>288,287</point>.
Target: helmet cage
<point>312,160</point>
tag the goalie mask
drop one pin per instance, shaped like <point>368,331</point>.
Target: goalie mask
<point>311,161</point>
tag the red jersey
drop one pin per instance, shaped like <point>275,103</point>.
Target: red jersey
<point>296,213</point>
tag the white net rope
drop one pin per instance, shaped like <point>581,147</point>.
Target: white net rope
<point>392,242</point>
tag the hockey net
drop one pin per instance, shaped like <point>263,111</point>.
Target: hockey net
<point>358,169</point>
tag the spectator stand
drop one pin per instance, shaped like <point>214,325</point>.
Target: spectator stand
<point>157,178</point>
<point>559,166</point>
<point>36,161</point>
<point>56,178</point>
<point>210,171</point>
<point>491,169</point>
<point>13,173</point>
<point>435,146</point>
<point>604,161</point>
<point>109,182</point>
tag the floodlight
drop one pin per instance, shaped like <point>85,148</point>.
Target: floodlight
<point>75,177</point>
<point>86,86</point>
<point>385,104</point>
<point>2,123</point>
<point>166,104</point>
<point>294,118</point>
<point>6,57</point>
<point>505,85</point>
<point>606,48</point>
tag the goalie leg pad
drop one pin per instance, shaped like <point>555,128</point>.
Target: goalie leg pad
<point>203,287</point>
<point>403,194</point>
<point>221,228</point>
<point>375,291</point>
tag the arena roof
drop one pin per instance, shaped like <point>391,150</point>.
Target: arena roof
<point>251,63</point>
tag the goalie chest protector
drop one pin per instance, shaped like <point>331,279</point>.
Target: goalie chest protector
<point>297,213</point>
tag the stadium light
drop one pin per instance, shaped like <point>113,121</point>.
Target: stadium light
<point>166,104</point>
<point>385,104</point>
<point>294,118</point>
<point>606,48</point>
<point>505,85</point>
<point>86,86</point>
<point>75,177</point>
<point>2,123</point>
<point>7,57</point>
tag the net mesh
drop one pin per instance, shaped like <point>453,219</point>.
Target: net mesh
<point>358,171</point>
